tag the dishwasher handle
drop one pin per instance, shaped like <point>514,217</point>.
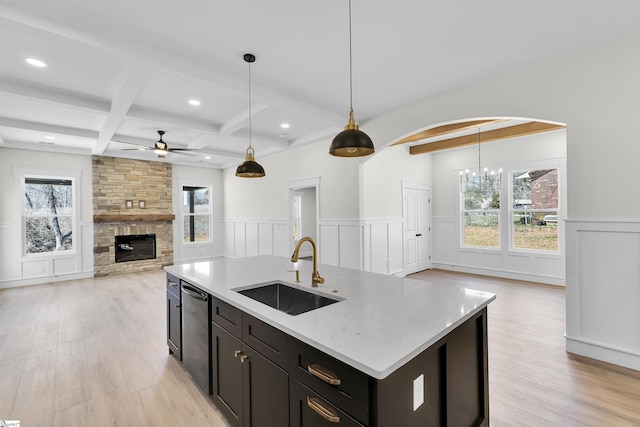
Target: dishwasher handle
<point>194,292</point>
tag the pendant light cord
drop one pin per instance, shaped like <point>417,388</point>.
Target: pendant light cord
<point>250,106</point>
<point>350,63</point>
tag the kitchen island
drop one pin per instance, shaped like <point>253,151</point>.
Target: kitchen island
<point>418,350</point>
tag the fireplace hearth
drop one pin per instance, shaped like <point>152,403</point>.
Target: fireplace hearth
<point>135,247</point>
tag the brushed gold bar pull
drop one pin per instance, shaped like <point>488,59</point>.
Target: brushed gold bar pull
<point>326,376</point>
<point>326,413</point>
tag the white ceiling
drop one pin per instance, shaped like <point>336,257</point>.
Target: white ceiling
<point>118,71</point>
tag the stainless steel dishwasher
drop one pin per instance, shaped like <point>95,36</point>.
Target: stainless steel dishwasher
<point>196,335</point>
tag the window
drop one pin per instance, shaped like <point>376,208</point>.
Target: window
<point>49,214</point>
<point>481,210</point>
<point>196,214</point>
<point>534,209</point>
<point>296,216</point>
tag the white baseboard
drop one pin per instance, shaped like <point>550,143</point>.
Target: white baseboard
<point>604,353</point>
<point>548,280</point>
<point>6,284</point>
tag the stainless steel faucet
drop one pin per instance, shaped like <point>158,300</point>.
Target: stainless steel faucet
<point>315,276</point>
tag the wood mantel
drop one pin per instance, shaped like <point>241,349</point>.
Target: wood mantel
<point>133,218</point>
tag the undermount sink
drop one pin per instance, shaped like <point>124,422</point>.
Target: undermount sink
<point>286,298</point>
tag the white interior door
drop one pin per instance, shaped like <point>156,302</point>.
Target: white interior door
<point>417,229</point>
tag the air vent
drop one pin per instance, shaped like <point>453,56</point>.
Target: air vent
<point>47,143</point>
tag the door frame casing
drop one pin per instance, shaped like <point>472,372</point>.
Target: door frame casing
<point>300,184</point>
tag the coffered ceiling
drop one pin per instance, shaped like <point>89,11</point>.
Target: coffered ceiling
<point>118,71</point>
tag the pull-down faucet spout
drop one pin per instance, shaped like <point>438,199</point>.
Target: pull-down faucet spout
<point>315,276</point>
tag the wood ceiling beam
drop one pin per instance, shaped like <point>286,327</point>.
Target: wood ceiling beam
<point>445,129</point>
<point>488,136</point>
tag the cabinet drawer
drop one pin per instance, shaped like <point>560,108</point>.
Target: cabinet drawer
<point>227,316</point>
<point>345,387</point>
<point>173,285</point>
<point>308,409</point>
<point>266,340</point>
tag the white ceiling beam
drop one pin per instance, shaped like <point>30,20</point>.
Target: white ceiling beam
<point>47,128</point>
<point>143,142</point>
<point>132,83</point>
<point>151,115</point>
<point>2,141</point>
<point>52,95</point>
<point>240,121</point>
<point>316,136</point>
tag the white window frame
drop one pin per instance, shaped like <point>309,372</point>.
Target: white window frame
<point>21,174</point>
<point>538,165</point>
<point>182,215</point>
<point>506,210</point>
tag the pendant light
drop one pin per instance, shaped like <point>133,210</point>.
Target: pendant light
<point>351,142</point>
<point>250,168</point>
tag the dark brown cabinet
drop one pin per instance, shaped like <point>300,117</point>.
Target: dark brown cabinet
<point>262,377</point>
<point>309,409</point>
<point>248,387</point>
<point>174,317</point>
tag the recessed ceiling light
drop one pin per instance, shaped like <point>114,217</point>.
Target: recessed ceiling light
<point>285,126</point>
<point>207,157</point>
<point>48,137</point>
<point>35,62</point>
<point>194,102</point>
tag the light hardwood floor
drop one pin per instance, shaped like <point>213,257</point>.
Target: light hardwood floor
<point>93,352</point>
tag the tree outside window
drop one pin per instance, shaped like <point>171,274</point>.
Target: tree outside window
<point>48,215</point>
<point>196,214</point>
<point>534,209</point>
<point>481,210</point>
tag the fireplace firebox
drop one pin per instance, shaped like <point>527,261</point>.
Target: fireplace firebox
<point>135,247</point>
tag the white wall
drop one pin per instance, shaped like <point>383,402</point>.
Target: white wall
<point>267,198</point>
<point>595,93</point>
<point>16,270</point>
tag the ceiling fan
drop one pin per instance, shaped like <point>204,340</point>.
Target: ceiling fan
<point>161,148</point>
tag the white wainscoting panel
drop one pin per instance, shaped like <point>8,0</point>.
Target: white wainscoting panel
<point>379,249</point>
<point>240,239</point>
<point>349,249</point>
<point>515,262</point>
<point>9,261</point>
<point>16,270</point>
<point>228,237</point>
<point>603,291</point>
<point>382,246</point>
<point>265,238</point>
<point>281,239</point>
<point>251,239</point>
<point>329,244</point>
<point>394,243</point>
<point>543,267</point>
<point>244,238</point>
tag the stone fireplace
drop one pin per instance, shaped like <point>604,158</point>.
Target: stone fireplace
<point>131,197</point>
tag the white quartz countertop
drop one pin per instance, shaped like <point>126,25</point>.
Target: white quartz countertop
<point>381,323</point>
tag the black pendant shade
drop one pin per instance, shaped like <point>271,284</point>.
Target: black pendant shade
<point>351,142</point>
<point>250,168</point>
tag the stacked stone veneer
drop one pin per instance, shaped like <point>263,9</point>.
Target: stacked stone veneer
<point>116,180</point>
